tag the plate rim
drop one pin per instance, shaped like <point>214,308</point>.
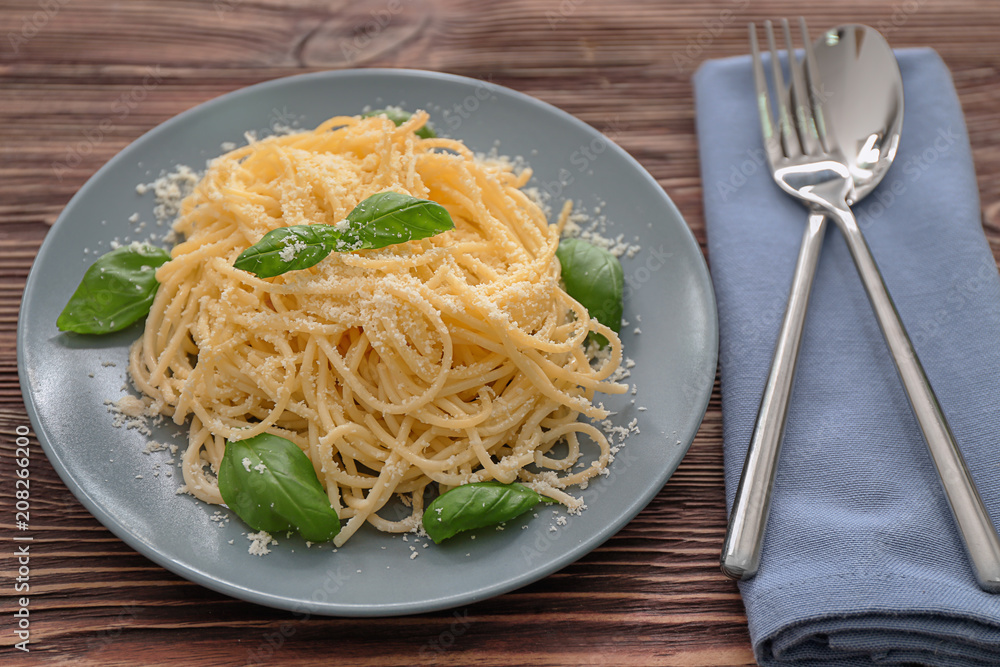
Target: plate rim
<point>531,574</point>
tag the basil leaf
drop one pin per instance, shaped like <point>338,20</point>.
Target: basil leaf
<point>391,217</point>
<point>381,220</point>
<point>288,249</point>
<point>271,484</point>
<point>476,505</point>
<point>116,291</point>
<point>398,116</point>
<point>594,277</point>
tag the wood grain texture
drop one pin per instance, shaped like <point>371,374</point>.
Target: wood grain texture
<point>80,79</point>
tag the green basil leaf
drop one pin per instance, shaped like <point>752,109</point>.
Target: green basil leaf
<point>391,217</point>
<point>271,484</point>
<point>476,505</point>
<point>398,116</point>
<point>116,291</point>
<point>288,249</point>
<point>594,277</point>
<point>381,220</point>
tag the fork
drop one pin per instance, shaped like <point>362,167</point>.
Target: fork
<point>806,163</point>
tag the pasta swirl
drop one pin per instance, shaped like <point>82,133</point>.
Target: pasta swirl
<point>453,359</point>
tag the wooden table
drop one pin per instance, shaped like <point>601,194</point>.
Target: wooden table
<point>653,594</point>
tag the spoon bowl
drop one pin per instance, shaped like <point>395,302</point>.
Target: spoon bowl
<point>863,98</point>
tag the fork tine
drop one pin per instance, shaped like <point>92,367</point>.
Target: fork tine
<point>771,142</point>
<point>789,139</point>
<point>815,87</point>
<point>800,98</point>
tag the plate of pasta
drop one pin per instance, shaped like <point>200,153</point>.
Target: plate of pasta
<point>368,342</point>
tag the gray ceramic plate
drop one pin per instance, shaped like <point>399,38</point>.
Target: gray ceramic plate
<point>66,379</point>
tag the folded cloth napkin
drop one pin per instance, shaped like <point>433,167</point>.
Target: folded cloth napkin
<point>861,563</point>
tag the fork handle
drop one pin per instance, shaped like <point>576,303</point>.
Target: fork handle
<point>973,521</point>
<point>748,519</point>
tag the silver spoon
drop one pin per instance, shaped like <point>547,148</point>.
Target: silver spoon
<point>863,92</point>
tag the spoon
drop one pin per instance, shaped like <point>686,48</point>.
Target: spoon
<point>863,94</point>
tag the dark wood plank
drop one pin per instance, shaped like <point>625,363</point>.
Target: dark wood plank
<point>652,595</point>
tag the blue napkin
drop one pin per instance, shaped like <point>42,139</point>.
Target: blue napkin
<point>861,563</point>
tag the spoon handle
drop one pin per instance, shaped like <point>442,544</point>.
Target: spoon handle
<point>748,519</point>
<point>974,525</point>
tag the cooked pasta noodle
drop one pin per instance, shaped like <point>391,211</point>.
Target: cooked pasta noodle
<point>452,359</point>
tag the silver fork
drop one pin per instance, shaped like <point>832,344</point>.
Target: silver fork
<point>805,163</point>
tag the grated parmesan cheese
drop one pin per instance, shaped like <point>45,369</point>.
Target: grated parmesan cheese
<point>169,190</point>
<point>259,543</point>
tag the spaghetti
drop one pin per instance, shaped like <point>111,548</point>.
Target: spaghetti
<point>452,359</point>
